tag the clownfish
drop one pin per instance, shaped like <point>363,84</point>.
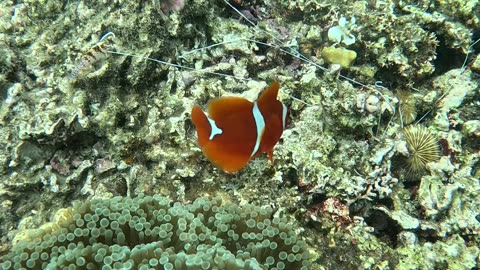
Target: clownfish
<point>235,130</point>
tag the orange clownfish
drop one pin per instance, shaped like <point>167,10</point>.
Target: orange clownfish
<point>235,130</point>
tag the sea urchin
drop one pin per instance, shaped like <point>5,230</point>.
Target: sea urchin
<point>423,148</point>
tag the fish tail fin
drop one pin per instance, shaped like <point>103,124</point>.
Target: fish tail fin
<point>270,155</point>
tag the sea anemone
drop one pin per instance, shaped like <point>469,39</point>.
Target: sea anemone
<point>422,148</point>
<point>148,232</point>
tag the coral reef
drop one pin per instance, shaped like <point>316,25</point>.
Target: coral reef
<point>122,127</point>
<point>406,40</point>
<point>451,254</point>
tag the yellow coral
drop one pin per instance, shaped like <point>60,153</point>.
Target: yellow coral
<point>340,56</point>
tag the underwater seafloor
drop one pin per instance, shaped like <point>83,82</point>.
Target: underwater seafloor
<point>377,169</point>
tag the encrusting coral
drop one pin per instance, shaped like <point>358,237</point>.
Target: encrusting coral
<point>151,233</point>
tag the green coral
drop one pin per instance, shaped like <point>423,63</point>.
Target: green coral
<point>150,232</point>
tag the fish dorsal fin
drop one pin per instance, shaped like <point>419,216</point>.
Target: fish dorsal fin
<point>220,107</point>
<point>269,94</point>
